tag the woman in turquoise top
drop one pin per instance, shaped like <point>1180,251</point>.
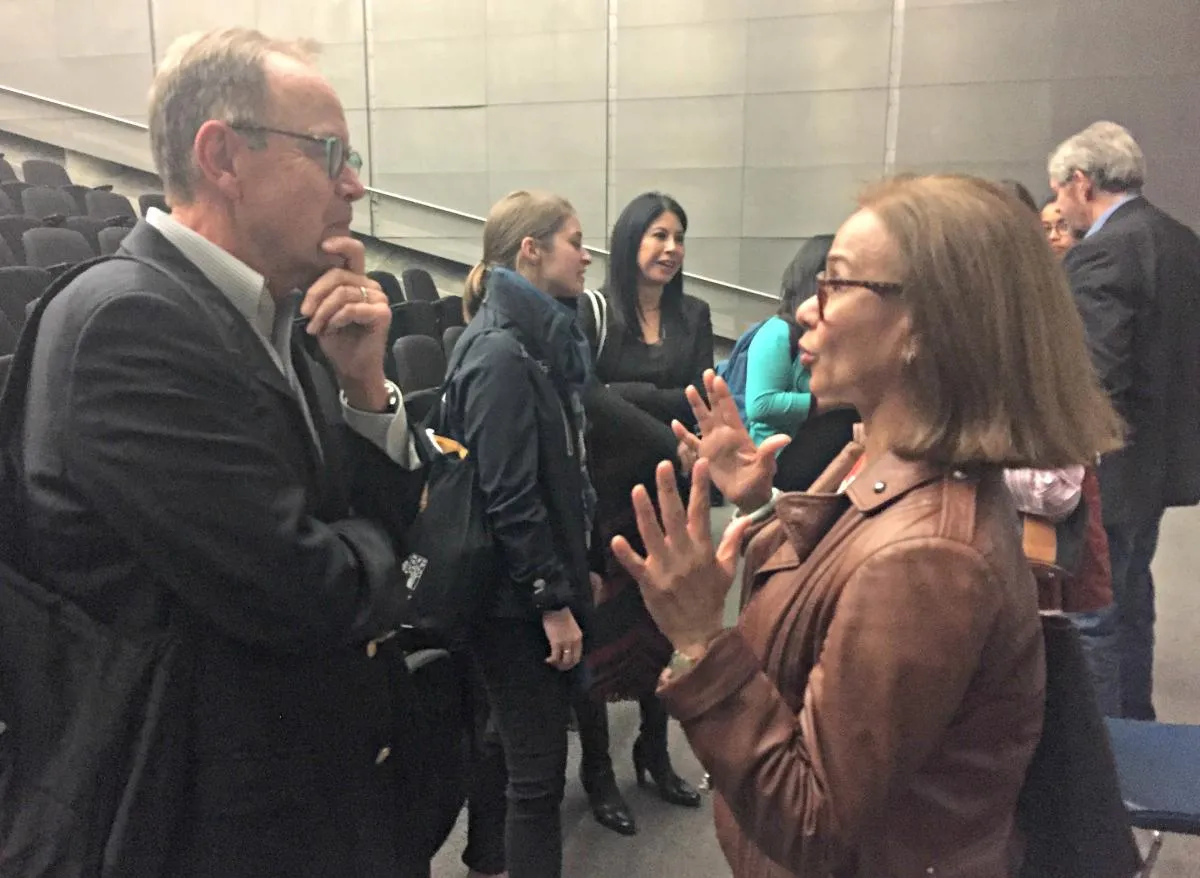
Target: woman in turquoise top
<point>777,396</point>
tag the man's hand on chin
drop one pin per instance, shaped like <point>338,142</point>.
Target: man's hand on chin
<point>349,315</point>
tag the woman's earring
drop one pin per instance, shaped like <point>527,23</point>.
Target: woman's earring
<point>910,355</point>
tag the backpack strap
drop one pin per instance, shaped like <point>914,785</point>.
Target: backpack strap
<point>599,318</point>
<point>16,387</point>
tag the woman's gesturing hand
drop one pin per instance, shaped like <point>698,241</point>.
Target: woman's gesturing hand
<point>684,582</point>
<point>742,472</point>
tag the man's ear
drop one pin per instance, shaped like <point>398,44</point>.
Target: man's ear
<point>216,152</point>
<point>1088,187</point>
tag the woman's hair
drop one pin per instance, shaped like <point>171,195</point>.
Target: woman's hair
<point>1019,190</point>
<point>800,280</point>
<point>621,283</point>
<point>515,217</point>
<point>1001,373</point>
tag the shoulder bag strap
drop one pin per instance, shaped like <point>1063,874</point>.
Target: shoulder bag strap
<point>599,318</point>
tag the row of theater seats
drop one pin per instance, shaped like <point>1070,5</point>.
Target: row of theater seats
<point>424,329</point>
<point>50,222</point>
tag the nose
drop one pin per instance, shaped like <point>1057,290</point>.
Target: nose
<point>350,185</point>
<point>808,314</point>
<point>587,256</point>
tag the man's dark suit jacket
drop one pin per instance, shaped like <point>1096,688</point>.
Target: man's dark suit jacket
<point>1137,284</point>
<point>170,472</point>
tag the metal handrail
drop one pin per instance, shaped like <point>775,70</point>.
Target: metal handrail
<point>439,208</point>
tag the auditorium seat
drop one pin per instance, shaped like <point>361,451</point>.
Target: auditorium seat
<point>40,172</point>
<point>19,286</point>
<point>40,202</point>
<point>54,249</point>
<point>108,205</point>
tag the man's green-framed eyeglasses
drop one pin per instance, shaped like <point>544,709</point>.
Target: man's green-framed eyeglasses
<point>338,153</point>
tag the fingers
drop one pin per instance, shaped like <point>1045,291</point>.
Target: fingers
<point>336,307</point>
<point>670,506</point>
<point>731,544</point>
<point>685,436</point>
<point>352,252</point>
<point>720,400</point>
<point>699,407</point>
<point>634,564</point>
<point>773,444</point>
<point>647,522</point>
<point>698,523</point>
<point>566,654</point>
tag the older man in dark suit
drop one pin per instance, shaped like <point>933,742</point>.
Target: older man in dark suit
<point>1136,279</point>
<point>188,456</point>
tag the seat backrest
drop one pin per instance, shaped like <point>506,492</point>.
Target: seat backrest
<point>6,170</point>
<point>111,238</point>
<point>450,338</point>
<point>414,318</point>
<point>8,337</point>
<point>7,257</point>
<point>89,227</point>
<point>46,247</point>
<point>13,189</point>
<point>41,172</point>
<point>20,285</point>
<point>420,363</point>
<point>7,208</point>
<point>390,284</point>
<point>153,199</point>
<point>78,194</point>
<point>418,285</point>
<point>12,228</point>
<point>40,202</point>
<point>106,205</point>
<point>450,312</point>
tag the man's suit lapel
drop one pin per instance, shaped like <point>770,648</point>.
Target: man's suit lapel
<point>241,341</point>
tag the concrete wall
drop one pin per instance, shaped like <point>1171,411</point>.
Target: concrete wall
<point>762,116</point>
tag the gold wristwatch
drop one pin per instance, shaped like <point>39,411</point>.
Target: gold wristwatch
<point>680,664</point>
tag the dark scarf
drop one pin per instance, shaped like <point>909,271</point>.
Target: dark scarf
<point>550,334</point>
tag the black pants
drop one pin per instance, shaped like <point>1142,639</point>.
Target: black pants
<point>530,705</point>
<point>596,761</point>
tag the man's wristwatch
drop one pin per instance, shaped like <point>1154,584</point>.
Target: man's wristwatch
<point>393,400</point>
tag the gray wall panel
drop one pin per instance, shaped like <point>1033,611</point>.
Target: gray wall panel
<point>680,133</point>
<point>983,42</point>
<point>985,122</point>
<point>543,16</point>
<point>430,141</point>
<point>682,61</point>
<point>811,129</point>
<point>430,73</point>
<point>800,202</point>
<point>541,137</point>
<point>818,52</point>
<point>538,68</point>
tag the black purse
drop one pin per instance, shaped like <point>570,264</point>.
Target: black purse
<point>1070,808</point>
<point>450,557</point>
<point>94,721</point>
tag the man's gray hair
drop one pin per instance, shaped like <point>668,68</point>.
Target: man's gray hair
<point>1105,153</point>
<point>215,75</point>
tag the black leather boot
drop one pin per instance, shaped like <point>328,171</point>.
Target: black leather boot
<point>595,768</point>
<point>650,756</point>
<point>608,805</point>
<point>656,763</point>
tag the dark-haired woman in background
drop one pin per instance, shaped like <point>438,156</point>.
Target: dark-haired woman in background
<point>778,399</point>
<point>656,341</point>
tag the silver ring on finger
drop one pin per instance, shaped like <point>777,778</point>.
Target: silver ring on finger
<point>363,290</point>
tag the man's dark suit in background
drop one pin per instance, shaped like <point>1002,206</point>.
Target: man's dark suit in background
<point>1136,280</point>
